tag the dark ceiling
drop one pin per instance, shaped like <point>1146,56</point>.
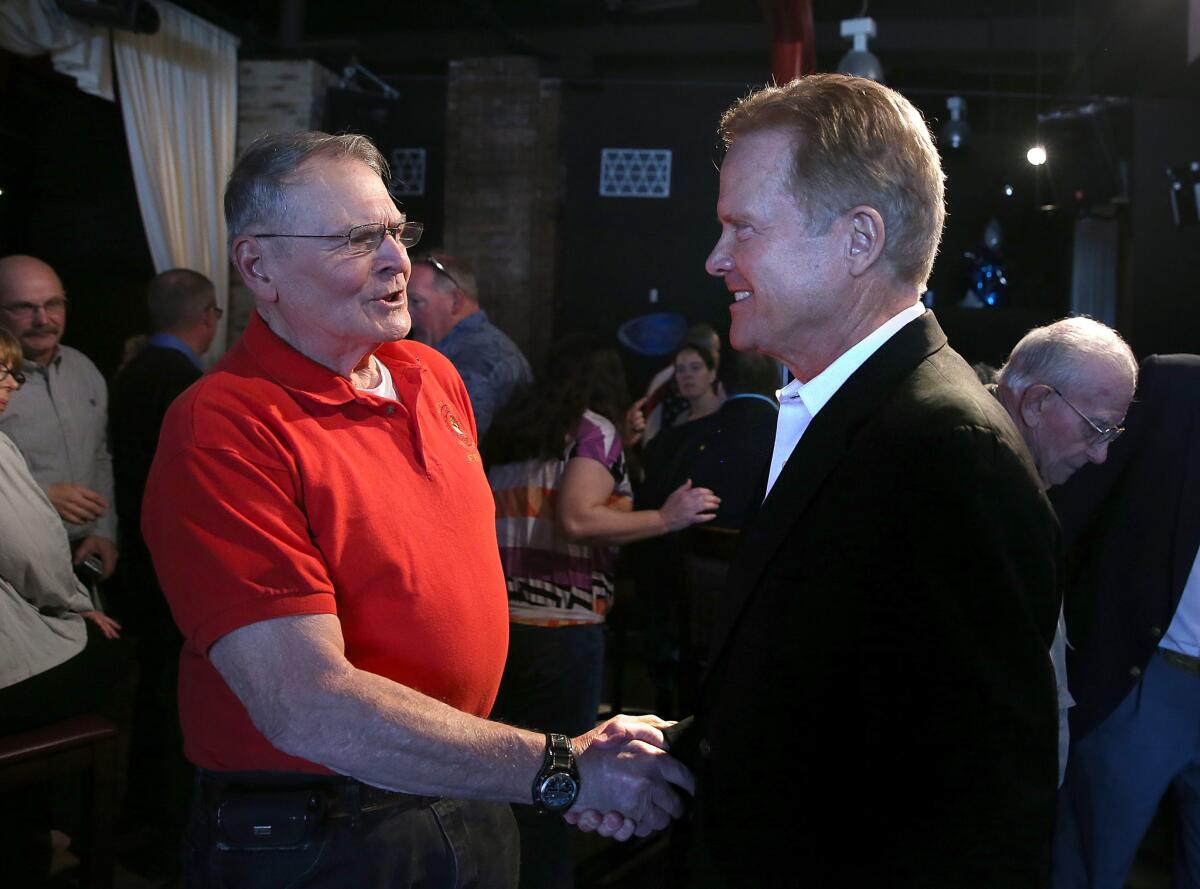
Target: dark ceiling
<point>1058,48</point>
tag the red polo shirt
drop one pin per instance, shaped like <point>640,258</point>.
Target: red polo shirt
<point>280,489</point>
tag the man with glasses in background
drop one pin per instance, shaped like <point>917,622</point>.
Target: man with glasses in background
<point>324,533</point>
<point>443,296</point>
<point>59,417</point>
<point>1064,433</point>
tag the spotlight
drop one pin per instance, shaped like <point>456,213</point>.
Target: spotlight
<point>1036,155</point>
<point>860,61</point>
<point>955,133</point>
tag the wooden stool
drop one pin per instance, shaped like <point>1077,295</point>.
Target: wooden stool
<point>84,744</point>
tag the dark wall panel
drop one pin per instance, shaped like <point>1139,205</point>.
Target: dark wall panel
<point>1163,302</point>
<point>69,199</point>
<point>615,250</point>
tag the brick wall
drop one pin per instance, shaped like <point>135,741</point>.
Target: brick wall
<point>503,185</point>
<point>273,96</point>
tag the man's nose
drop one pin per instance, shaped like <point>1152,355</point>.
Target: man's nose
<point>393,253</point>
<point>719,263</point>
<point>1098,453</point>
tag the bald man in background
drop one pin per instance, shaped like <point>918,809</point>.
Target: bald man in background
<point>59,417</point>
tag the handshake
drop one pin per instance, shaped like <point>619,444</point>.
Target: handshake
<point>626,779</point>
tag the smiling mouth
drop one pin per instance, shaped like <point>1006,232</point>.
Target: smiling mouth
<point>739,295</point>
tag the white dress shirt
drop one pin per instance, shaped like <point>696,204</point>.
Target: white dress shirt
<point>800,402</point>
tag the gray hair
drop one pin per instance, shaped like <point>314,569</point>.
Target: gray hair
<point>1057,354</point>
<point>256,193</point>
<point>177,297</point>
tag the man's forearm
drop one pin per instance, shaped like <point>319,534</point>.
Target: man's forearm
<point>389,735</point>
<point>308,700</point>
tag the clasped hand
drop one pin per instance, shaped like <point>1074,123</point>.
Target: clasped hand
<point>628,779</point>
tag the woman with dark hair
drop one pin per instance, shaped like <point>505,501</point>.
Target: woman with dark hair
<point>563,503</point>
<point>696,377</point>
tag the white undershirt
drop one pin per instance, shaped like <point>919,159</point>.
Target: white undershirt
<point>800,402</point>
<point>1183,634</point>
<point>386,387</point>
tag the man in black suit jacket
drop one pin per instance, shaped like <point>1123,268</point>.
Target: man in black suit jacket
<point>184,315</point>
<point>1133,615</point>
<point>880,706</point>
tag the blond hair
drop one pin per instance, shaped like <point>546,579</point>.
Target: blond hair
<point>856,142</point>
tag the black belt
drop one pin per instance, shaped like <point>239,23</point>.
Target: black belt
<point>1180,660</point>
<point>337,795</point>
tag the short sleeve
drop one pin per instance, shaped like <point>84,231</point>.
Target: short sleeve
<point>596,439</point>
<point>231,545</point>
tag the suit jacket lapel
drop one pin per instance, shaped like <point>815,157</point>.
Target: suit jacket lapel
<point>821,448</point>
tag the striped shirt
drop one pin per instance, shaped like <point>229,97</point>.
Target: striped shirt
<point>552,581</point>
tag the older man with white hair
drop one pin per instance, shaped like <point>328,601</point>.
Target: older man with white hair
<point>1067,386</point>
<point>1064,433</point>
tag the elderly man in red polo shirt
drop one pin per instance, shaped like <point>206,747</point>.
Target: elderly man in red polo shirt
<point>324,532</point>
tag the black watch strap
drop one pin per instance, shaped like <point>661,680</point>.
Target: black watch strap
<point>557,783</point>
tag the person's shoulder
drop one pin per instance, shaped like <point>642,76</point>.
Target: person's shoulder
<point>151,363</point>
<point>1173,371</point>
<point>944,393</point>
<point>9,449</point>
<point>942,408</point>
<point>80,363</point>
<point>225,403</point>
<point>483,341</point>
<point>598,429</point>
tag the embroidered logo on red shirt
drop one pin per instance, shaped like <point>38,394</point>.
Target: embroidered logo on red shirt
<point>460,432</point>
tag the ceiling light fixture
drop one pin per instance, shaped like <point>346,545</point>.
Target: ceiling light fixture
<point>860,61</point>
<point>956,133</point>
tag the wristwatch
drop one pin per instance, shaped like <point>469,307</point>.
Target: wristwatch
<point>557,784</point>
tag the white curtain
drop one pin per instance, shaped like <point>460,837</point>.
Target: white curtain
<point>34,27</point>
<point>179,102</point>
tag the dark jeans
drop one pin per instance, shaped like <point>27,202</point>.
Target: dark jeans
<point>445,844</point>
<point>552,682</point>
<point>160,778</point>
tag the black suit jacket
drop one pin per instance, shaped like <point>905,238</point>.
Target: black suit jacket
<point>138,401</point>
<point>881,679</point>
<point>1135,523</point>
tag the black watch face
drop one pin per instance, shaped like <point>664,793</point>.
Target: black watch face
<point>558,792</point>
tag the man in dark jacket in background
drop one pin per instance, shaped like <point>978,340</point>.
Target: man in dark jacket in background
<point>184,316</point>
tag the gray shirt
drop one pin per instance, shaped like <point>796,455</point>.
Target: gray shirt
<point>491,365</point>
<point>40,599</point>
<point>58,419</point>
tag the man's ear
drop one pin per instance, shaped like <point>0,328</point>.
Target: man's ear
<point>253,267</point>
<point>867,237</point>
<point>1034,401</point>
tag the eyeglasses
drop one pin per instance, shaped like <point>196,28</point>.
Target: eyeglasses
<point>26,311</point>
<point>437,265</point>
<point>6,372</point>
<point>363,239</point>
<point>1104,434</point>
